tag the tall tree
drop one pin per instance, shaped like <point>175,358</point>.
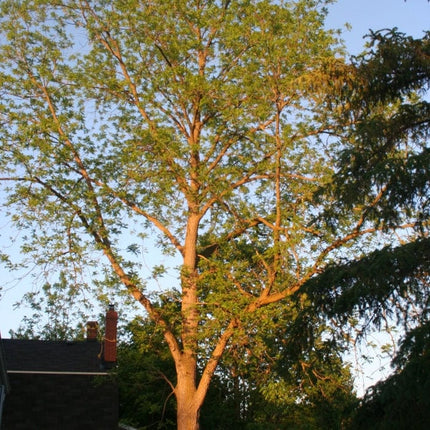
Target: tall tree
<point>199,123</point>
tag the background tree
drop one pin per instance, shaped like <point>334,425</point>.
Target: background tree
<point>200,124</point>
<point>401,401</point>
<point>384,116</point>
<point>386,106</point>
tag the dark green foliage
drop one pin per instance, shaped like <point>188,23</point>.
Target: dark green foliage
<point>384,174</point>
<point>385,117</point>
<point>395,65</point>
<point>403,400</point>
<point>371,284</point>
<point>144,369</point>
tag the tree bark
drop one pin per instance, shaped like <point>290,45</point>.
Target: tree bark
<point>188,407</point>
<point>188,404</point>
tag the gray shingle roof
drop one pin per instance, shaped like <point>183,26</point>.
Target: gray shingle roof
<point>52,356</point>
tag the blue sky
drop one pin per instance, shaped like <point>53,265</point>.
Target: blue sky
<point>411,17</point>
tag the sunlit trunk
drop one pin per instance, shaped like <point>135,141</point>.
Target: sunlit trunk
<point>186,365</point>
<point>185,391</point>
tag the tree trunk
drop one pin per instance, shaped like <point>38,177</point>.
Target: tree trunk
<point>187,417</point>
<point>188,406</point>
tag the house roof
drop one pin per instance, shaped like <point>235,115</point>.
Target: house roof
<point>3,375</point>
<point>52,356</point>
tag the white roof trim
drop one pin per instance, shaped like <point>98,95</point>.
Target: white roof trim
<point>47,372</point>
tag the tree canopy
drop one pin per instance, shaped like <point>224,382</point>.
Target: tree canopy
<point>231,134</point>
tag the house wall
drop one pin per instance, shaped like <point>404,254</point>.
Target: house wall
<point>60,402</point>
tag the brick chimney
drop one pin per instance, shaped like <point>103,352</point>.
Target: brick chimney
<point>109,348</point>
<point>92,329</point>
